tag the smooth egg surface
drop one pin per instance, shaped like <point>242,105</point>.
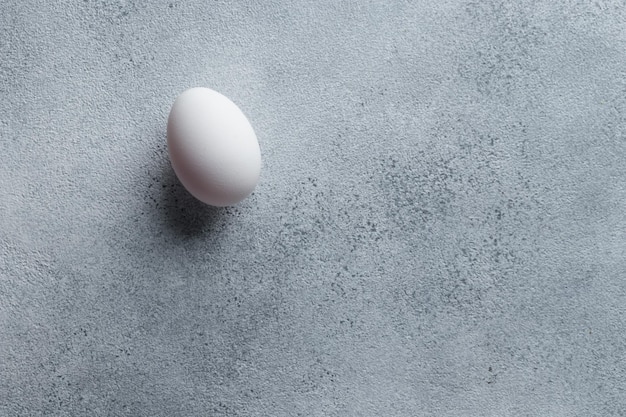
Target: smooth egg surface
<point>213,148</point>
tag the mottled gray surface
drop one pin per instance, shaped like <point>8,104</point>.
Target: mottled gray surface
<point>440,227</point>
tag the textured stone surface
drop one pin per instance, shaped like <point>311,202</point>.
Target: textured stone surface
<point>439,229</point>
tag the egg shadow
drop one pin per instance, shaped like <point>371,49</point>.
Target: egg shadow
<point>186,216</point>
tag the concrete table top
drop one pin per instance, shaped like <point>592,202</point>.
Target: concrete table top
<point>439,229</point>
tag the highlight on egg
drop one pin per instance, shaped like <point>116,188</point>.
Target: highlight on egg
<point>213,148</point>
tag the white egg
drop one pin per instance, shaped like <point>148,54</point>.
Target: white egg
<point>213,148</point>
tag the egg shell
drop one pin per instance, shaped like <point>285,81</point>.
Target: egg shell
<point>213,148</point>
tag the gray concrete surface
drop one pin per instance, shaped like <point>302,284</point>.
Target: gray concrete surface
<point>439,229</point>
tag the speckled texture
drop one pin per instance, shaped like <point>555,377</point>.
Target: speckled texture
<point>439,230</point>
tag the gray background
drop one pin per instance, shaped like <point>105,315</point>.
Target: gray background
<point>439,229</point>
